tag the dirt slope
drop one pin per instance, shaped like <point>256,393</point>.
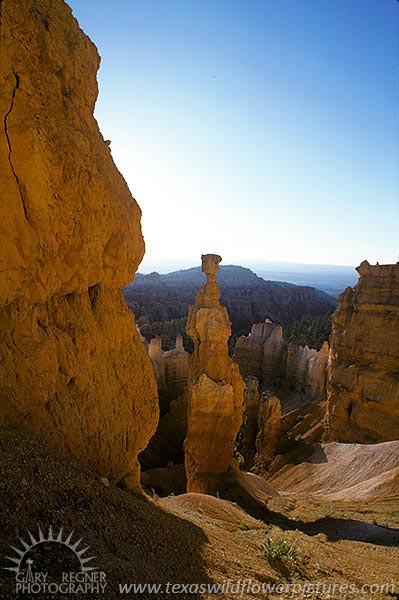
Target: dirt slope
<point>344,472</point>
<point>185,539</point>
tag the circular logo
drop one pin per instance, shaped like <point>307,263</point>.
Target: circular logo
<point>43,546</point>
<point>54,563</point>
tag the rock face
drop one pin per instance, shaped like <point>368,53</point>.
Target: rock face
<point>265,355</point>
<point>171,372</point>
<point>73,367</point>
<point>261,426</point>
<point>215,389</point>
<point>363,373</point>
<point>258,358</point>
<point>317,371</point>
<point>273,356</point>
<point>249,429</point>
<point>269,424</point>
<point>306,369</point>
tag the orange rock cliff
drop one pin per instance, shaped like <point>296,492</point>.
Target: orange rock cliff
<point>363,370</point>
<point>73,367</point>
<point>266,355</point>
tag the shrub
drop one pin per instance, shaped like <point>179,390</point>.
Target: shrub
<point>279,550</point>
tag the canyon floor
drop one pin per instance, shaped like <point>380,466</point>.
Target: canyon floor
<point>194,538</point>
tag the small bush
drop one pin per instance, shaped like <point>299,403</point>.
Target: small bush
<point>279,550</point>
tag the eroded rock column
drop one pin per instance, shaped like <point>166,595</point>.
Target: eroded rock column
<point>363,380</point>
<point>249,429</point>
<point>216,389</point>
<point>269,426</point>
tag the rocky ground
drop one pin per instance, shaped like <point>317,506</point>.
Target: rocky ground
<point>194,538</point>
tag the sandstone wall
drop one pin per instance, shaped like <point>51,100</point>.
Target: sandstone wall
<point>261,426</point>
<point>171,369</point>
<point>171,372</point>
<point>363,373</point>
<point>265,355</point>
<point>306,369</point>
<point>246,439</point>
<point>249,351</point>
<point>269,426</point>
<point>73,367</point>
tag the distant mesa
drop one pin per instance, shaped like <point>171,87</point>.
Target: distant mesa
<point>331,279</point>
<point>160,302</point>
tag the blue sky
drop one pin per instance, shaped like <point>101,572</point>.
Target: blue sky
<point>255,129</point>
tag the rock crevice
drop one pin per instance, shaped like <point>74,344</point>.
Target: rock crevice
<point>73,367</point>
<point>8,113</point>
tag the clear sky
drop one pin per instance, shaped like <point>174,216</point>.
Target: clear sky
<point>255,129</point>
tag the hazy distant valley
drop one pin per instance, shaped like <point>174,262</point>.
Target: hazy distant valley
<point>329,278</point>
<point>332,279</point>
<point>160,303</point>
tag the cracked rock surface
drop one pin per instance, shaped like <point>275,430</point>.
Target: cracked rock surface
<point>363,373</point>
<point>72,366</point>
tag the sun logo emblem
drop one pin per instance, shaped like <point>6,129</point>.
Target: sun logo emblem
<point>49,543</point>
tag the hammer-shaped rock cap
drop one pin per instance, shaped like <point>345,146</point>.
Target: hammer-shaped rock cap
<point>210,263</point>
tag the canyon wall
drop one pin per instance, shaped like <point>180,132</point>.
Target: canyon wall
<point>265,355</point>
<point>171,370</point>
<point>258,436</point>
<point>73,367</point>
<point>363,372</point>
<point>269,427</point>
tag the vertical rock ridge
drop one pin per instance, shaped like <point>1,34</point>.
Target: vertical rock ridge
<point>363,370</point>
<point>215,389</point>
